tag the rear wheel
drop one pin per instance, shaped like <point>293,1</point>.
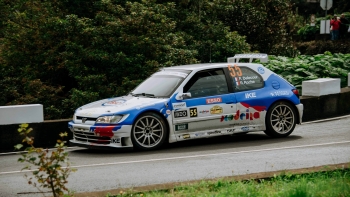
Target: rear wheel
<point>149,132</point>
<point>280,120</point>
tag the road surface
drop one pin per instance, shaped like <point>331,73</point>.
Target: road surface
<point>311,144</point>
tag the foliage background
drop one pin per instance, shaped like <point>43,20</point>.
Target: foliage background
<point>66,53</point>
<point>306,67</point>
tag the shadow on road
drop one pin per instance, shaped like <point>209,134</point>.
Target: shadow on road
<point>234,141</point>
<point>197,145</point>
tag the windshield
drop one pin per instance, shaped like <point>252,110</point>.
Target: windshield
<point>160,84</point>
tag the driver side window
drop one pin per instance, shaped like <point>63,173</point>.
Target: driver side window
<point>207,83</point>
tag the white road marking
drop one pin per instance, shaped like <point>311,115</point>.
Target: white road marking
<point>20,152</point>
<point>186,157</point>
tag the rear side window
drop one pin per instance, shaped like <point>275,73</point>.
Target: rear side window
<point>244,78</point>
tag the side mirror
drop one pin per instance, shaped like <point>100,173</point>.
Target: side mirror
<point>182,96</point>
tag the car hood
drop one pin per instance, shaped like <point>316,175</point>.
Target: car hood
<point>115,105</point>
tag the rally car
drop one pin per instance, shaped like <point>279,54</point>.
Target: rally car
<point>190,102</point>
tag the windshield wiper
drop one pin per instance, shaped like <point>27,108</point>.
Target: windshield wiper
<point>144,94</point>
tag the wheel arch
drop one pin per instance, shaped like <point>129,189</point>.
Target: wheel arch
<point>160,139</point>
<point>156,112</point>
<point>292,104</point>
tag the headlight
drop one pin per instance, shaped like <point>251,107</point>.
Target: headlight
<point>108,119</point>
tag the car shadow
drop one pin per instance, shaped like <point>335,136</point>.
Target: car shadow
<point>198,145</point>
<point>228,142</point>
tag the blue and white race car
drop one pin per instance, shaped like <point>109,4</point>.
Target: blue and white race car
<point>189,102</point>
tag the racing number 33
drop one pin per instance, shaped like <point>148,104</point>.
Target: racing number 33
<point>235,71</point>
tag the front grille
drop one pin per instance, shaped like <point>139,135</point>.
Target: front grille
<point>91,137</point>
<point>87,118</point>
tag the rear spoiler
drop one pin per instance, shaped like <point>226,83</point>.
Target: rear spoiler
<point>261,56</point>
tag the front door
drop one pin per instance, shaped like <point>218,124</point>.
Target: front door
<point>206,112</point>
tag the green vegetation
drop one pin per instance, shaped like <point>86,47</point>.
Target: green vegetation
<point>316,47</point>
<point>306,67</point>
<point>329,183</point>
<point>52,167</point>
<point>64,54</point>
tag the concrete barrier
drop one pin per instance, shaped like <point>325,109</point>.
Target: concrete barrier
<point>326,106</point>
<point>46,133</point>
<point>348,79</point>
<point>13,114</point>
<point>319,87</point>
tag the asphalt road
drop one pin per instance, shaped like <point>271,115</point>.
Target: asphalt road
<point>311,144</point>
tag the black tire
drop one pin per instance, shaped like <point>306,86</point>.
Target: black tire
<point>280,119</point>
<point>149,132</point>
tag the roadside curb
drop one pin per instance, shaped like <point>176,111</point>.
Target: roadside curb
<point>253,176</point>
<point>326,119</point>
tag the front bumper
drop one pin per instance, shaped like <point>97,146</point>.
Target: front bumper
<point>112,136</point>
<point>79,143</point>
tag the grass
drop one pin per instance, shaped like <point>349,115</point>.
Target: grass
<point>329,183</point>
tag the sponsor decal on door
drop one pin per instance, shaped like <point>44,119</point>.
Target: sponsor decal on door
<point>181,127</point>
<point>216,110</point>
<point>250,95</point>
<point>214,100</point>
<point>179,114</point>
<point>179,105</point>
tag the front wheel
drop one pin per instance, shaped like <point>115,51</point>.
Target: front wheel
<point>280,120</point>
<point>149,132</point>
